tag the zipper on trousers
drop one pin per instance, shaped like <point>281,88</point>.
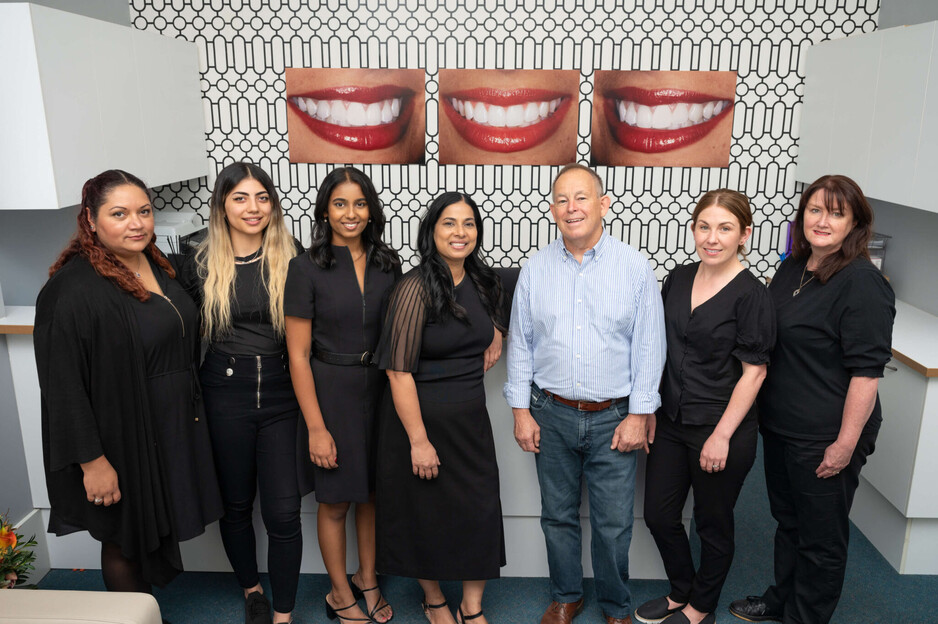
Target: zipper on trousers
<point>258,381</point>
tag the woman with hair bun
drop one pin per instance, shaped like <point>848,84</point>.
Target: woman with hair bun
<point>125,445</point>
<point>720,328</point>
<point>238,276</point>
<point>334,298</point>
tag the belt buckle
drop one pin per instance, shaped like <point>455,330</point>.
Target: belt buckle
<point>366,358</point>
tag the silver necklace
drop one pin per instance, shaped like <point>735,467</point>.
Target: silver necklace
<point>802,283</point>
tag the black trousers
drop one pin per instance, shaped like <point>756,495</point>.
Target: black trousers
<point>813,525</point>
<point>252,414</point>
<point>673,468</point>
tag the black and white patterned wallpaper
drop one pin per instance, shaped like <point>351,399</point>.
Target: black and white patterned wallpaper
<point>245,45</point>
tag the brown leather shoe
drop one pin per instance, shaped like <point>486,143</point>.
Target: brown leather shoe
<point>562,612</point>
<point>611,620</point>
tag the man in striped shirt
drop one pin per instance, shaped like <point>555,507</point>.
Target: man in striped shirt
<point>585,353</point>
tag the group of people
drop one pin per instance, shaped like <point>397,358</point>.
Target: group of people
<point>327,370</point>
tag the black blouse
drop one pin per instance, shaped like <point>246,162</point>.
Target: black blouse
<point>827,334</point>
<point>445,355</point>
<point>706,345</point>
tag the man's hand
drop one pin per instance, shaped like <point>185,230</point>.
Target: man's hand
<point>527,431</point>
<point>632,433</point>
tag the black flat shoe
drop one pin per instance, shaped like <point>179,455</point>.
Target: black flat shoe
<point>359,593</point>
<point>256,609</point>
<point>754,609</point>
<point>655,611</point>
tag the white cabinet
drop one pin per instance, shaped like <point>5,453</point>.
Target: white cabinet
<point>870,111</point>
<point>82,95</point>
<point>895,505</point>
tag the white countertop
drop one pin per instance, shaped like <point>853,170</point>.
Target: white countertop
<point>18,320</point>
<point>915,339</point>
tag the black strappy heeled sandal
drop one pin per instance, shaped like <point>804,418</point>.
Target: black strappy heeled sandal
<point>462,617</point>
<point>333,613</point>
<point>359,593</point>
<point>427,606</point>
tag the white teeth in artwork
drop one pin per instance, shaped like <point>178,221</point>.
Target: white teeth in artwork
<point>350,114</point>
<point>514,116</point>
<point>668,116</point>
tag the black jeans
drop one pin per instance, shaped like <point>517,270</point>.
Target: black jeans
<point>252,412</point>
<point>813,525</point>
<point>673,468</point>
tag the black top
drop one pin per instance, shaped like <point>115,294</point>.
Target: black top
<point>445,355</point>
<point>826,335</point>
<point>706,345</point>
<point>252,331</point>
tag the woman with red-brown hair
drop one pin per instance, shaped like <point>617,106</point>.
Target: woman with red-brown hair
<point>125,445</point>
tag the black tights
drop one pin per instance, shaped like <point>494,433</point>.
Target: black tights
<point>120,573</point>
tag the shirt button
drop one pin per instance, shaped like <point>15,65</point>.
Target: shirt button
<point>578,356</point>
<point>579,301</point>
<point>578,328</point>
<point>578,384</point>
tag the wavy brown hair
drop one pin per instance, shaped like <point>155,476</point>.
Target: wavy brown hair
<point>839,192</point>
<point>85,243</point>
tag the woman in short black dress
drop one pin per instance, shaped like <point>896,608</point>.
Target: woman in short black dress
<point>720,328</point>
<point>125,444</point>
<point>439,513</point>
<point>333,303</point>
<point>819,410</point>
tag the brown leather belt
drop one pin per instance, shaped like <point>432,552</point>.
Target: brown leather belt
<point>584,406</point>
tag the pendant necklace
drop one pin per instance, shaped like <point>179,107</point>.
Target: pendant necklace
<point>139,264</point>
<point>803,283</point>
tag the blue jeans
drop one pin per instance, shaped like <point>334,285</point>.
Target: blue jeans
<point>575,444</point>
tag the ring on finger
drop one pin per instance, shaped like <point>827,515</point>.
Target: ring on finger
<point>98,501</point>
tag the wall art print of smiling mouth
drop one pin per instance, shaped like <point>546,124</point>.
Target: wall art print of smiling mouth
<point>356,115</point>
<point>663,118</point>
<point>522,117</point>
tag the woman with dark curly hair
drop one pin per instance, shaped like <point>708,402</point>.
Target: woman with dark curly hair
<point>439,513</point>
<point>819,410</point>
<point>333,302</point>
<point>125,445</point>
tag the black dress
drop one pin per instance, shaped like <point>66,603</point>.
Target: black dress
<point>100,396</point>
<point>450,527</point>
<point>345,320</point>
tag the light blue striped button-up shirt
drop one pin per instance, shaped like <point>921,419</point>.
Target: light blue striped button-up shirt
<point>590,332</point>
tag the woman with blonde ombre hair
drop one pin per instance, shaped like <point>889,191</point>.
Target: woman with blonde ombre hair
<point>237,274</point>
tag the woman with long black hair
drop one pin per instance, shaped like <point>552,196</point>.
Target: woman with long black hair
<point>333,304</point>
<point>439,513</point>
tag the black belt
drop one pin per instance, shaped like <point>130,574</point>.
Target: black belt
<point>585,406</point>
<point>345,359</point>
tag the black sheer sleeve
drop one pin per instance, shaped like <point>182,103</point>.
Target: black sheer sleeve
<point>399,347</point>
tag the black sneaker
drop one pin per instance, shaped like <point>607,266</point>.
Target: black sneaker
<point>655,611</point>
<point>257,609</point>
<point>754,609</point>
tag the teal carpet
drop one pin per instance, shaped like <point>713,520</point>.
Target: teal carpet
<point>873,592</point>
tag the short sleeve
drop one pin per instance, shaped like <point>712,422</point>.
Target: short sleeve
<point>866,323</point>
<point>299,293</point>
<point>399,347</point>
<point>755,325</point>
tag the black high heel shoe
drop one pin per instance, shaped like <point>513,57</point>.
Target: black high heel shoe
<point>462,617</point>
<point>359,593</point>
<point>333,613</point>
<point>427,606</point>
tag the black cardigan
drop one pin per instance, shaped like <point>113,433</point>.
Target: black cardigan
<point>92,377</point>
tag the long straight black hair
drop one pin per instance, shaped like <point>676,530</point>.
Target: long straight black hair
<point>320,248</point>
<point>435,273</point>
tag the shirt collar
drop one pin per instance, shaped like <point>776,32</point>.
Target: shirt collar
<point>596,251</point>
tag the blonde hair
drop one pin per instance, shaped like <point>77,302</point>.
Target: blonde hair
<point>216,261</point>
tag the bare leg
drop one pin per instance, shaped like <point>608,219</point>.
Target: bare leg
<point>330,522</point>
<point>472,602</point>
<point>693,615</point>
<point>366,577</point>
<point>433,595</point>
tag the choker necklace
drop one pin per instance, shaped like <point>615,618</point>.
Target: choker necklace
<point>803,283</point>
<point>249,258</point>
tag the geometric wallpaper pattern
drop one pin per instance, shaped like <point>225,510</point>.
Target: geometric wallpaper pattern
<point>245,45</point>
